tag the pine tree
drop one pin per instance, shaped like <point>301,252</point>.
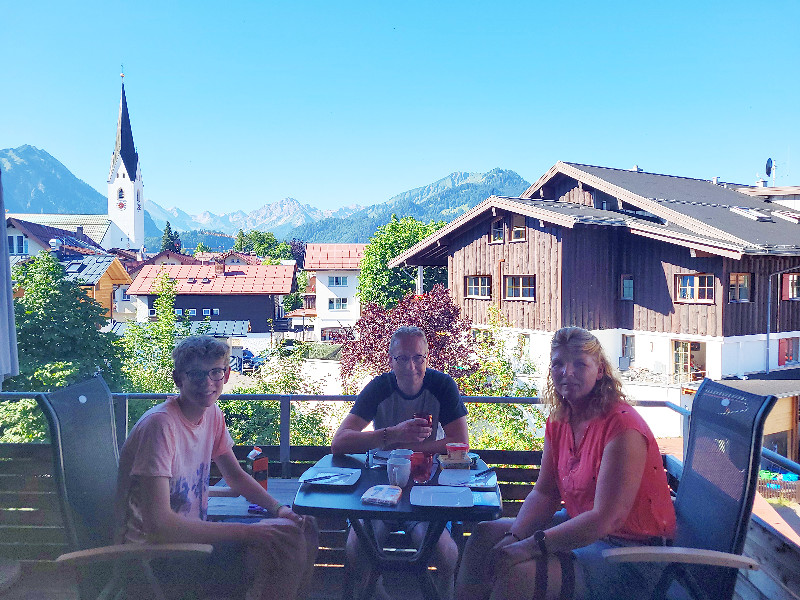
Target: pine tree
<point>170,241</point>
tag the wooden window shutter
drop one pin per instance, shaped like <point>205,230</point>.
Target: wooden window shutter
<point>785,286</point>
<point>783,348</point>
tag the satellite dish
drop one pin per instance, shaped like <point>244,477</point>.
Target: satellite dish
<point>769,167</point>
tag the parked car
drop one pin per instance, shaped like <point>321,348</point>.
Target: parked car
<point>250,361</point>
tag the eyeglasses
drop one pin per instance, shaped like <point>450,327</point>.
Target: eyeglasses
<point>417,359</point>
<point>217,374</point>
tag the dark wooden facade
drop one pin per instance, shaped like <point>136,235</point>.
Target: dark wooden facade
<point>259,309</point>
<point>578,275</point>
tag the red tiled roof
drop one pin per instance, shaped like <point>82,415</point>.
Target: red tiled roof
<point>333,256</point>
<point>238,279</point>
<point>302,312</point>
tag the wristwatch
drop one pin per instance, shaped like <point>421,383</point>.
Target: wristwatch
<point>540,537</point>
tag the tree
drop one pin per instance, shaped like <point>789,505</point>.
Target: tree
<point>241,242</point>
<point>298,251</point>
<point>170,241</point>
<point>201,247</point>
<point>365,347</point>
<point>292,301</point>
<point>58,330</point>
<point>59,342</point>
<point>257,422</point>
<point>148,348</point>
<point>505,426</point>
<point>383,286</point>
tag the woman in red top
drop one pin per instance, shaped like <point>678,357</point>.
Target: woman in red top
<point>601,459</point>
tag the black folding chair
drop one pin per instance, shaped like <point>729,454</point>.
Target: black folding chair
<point>84,438</point>
<point>715,496</point>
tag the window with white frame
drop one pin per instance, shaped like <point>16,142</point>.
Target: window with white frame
<point>337,281</point>
<point>694,288</point>
<point>739,288</point>
<point>206,312</point>
<point>521,287</point>
<point>628,347</point>
<point>479,286</point>
<point>496,232</point>
<point>337,303</point>
<point>626,287</point>
<point>125,295</point>
<point>17,244</point>
<point>178,312</point>
<point>518,229</point>
<point>791,286</point>
<point>191,312</point>
<point>214,311</point>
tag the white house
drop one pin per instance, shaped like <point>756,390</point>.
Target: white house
<point>336,267</point>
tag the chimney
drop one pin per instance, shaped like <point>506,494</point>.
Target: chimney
<point>219,268</point>
<point>636,168</point>
<point>79,230</point>
<point>762,183</point>
<point>715,181</point>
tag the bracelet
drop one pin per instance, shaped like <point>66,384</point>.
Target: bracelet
<point>512,534</point>
<point>385,438</point>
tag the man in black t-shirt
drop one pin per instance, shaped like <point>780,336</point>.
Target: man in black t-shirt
<point>389,401</point>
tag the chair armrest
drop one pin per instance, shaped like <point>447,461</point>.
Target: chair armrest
<point>672,554</point>
<point>221,492</point>
<point>132,551</point>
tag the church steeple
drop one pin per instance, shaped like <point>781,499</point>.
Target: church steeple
<point>125,188</point>
<point>124,148</point>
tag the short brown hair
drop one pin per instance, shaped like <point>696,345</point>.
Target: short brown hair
<point>606,392</point>
<point>202,347</point>
<point>407,331</point>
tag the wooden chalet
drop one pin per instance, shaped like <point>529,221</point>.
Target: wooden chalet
<point>682,277</point>
<point>100,276</point>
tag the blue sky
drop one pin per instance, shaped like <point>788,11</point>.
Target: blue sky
<point>234,105</point>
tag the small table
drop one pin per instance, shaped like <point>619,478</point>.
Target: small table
<point>345,501</point>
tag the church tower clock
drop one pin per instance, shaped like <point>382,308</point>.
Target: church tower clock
<point>125,189</point>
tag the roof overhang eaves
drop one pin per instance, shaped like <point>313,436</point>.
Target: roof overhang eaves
<point>692,242</point>
<point>652,205</point>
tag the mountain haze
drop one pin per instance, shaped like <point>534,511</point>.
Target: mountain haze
<point>442,200</point>
<point>278,217</point>
<point>36,182</point>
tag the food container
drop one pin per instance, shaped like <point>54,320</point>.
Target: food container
<point>457,451</point>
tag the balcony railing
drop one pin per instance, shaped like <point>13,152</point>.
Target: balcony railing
<point>30,517</point>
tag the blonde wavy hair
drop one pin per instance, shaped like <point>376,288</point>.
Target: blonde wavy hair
<point>606,392</point>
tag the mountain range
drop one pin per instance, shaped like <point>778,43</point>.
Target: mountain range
<point>36,182</point>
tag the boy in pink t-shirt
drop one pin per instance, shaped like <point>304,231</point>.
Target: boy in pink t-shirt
<point>162,489</point>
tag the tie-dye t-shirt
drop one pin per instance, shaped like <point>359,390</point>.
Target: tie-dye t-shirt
<point>163,443</point>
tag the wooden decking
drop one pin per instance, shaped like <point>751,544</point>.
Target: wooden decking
<point>31,530</point>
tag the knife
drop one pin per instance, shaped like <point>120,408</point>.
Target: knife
<point>326,477</point>
<point>481,475</point>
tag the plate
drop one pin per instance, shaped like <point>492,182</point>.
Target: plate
<point>465,477</point>
<point>440,495</point>
<point>339,476</point>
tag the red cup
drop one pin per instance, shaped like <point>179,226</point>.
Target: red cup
<point>427,416</point>
<point>421,464</point>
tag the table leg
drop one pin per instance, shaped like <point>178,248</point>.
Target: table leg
<point>382,561</point>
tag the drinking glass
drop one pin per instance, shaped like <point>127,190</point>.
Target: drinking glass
<point>423,415</point>
<point>421,463</point>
